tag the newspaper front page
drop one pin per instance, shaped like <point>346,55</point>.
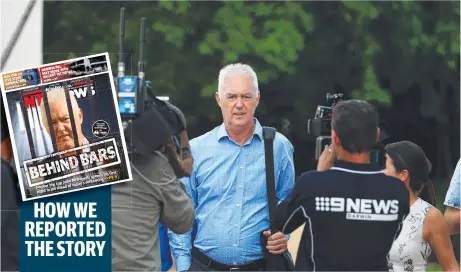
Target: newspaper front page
<point>65,126</point>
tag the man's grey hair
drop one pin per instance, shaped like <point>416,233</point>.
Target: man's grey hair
<point>237,69</point>
<point>58,95</point>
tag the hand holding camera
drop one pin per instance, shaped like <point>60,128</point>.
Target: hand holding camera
<point>327,158</point>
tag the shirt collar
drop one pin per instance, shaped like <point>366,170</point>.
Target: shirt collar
<point>258,130</point>
<point>359,167</point>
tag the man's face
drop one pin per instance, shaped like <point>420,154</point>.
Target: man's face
<point>62,126</point>
<point>238,100</point>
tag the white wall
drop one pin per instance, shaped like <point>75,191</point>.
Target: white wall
<point>28,49</point>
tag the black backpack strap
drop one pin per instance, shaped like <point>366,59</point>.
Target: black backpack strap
<point>268,136</point>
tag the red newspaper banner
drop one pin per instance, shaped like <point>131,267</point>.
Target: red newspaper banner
<point>55,72</point>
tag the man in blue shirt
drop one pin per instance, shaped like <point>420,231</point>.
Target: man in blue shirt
<point>165,252</point>
<point>228,184</point>
<point>452,201</point>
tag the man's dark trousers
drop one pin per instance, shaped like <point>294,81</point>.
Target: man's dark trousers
<point>201,262</point>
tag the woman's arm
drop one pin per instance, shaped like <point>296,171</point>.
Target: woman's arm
<point>435,232</point>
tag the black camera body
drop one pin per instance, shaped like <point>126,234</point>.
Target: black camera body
<point>320,127</point>
<point>321,124</point>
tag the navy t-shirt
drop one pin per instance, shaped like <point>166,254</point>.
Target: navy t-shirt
<point>352,215</point>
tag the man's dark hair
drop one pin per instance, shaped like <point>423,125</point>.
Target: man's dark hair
<point>355,122</point>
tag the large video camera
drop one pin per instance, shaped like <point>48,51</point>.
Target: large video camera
<point>148,120</point>
<point>320,127</point>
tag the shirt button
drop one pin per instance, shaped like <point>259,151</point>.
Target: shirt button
<point>235,245</point>
<point>240,186</point>
<point>236,225</point>
<point>241,167</point>
<point>238,205</point>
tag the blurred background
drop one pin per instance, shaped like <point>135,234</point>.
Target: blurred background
<point>402,56</point>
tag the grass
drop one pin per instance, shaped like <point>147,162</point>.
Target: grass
<point>433,267</point>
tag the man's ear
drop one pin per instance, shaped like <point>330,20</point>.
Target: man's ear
<point>218,99</point>
<point>258,97</point>
<point>80,114</point>
<point>378,134</point>
<point>334,138</point>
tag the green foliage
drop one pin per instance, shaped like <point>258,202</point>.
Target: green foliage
<point>271,33</point>
<point>299,49</point>
<point>363,14</point>
<point>434,268</point>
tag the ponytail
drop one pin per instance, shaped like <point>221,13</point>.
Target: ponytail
<point>427,193</point>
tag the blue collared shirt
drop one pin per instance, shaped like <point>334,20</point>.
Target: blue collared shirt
<point>228,186</point>
<point>452,198</point>
<point>165,251</point>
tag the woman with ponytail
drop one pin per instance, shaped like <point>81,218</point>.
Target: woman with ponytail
<point>424,229</point>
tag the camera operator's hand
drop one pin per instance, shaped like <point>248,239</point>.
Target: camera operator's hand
<point>186,155</point>
<point>327,159</point>
<point>171,149</point>
<point>182,162</point>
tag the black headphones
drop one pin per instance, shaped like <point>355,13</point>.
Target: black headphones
<point>172,115</point>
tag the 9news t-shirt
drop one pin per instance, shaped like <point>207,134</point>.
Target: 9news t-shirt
<point>352,215</point>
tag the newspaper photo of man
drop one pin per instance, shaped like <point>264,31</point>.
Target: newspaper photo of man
<point>61,120</point>
<point>59,127</point>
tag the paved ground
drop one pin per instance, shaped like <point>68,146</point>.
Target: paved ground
<point>292,244</point>
<point>293,248</point>
<point>294,241</point>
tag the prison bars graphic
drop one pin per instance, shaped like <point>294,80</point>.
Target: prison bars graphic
<point>52,135</point>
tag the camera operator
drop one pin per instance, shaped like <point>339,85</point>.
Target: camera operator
<point>154,195</point>
<point>353,212</point>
